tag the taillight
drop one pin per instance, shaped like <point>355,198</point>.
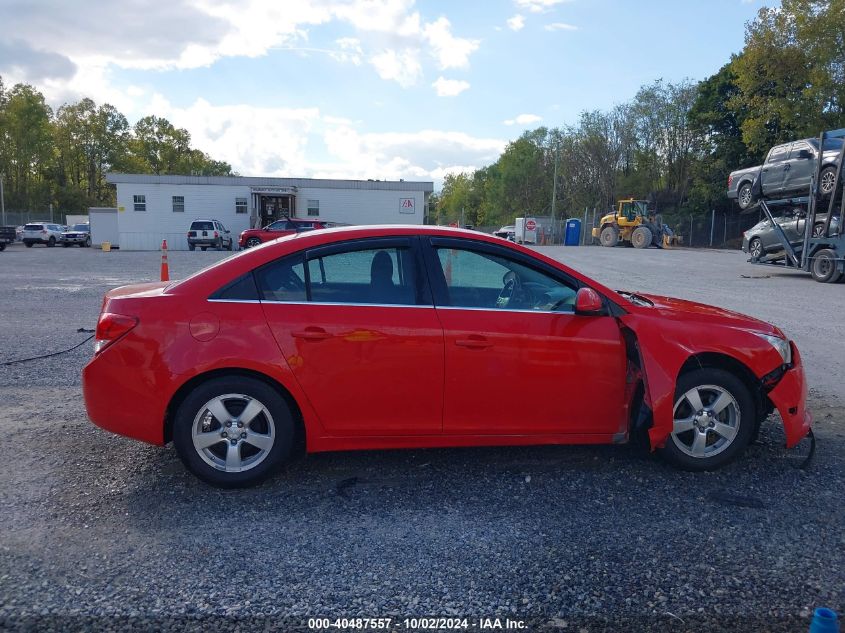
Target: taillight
<point>730,180</point>
<point>216,234</point>
<point>111,327</point>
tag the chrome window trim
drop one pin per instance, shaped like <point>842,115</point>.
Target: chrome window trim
<point>321,303</point>
<point>499,310</point>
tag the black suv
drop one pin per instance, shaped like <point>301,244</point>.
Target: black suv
<point>209,233</point>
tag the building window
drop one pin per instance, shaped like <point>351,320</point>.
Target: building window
<point>178,204</point>
<point>313,207</point>
<point>140,203</point>
<point>240,205</point>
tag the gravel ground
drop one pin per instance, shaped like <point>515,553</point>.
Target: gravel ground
<point>101,532</point>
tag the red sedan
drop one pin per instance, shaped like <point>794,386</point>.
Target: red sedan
<point>392,337</point>
<point>280,228</point>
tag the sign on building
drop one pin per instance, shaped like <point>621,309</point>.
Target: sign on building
<point>406,205</point>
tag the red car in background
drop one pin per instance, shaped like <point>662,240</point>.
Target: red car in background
<point>280,228</point>
<point>408,337</point>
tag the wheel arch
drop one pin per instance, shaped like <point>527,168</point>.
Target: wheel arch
<point>183,391</point>
<point>716,360</point>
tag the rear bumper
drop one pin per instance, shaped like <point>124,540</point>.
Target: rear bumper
<point>121,401</point>
<point>744,244</point>
<point>790,398</point>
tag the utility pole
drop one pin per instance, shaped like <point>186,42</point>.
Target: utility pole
<point>554,189</point>
<point>2,199</point>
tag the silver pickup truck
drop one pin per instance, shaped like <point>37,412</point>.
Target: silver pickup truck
<point>787,171</point>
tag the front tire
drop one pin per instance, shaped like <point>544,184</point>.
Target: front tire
<point>233,432</point>
<point>755,248</point>
<point>824,267</point>
<point>714,420</point>
<point>51,242</point>
<point>609,236</point>
<point>253,242</point>
<point>745,196</point>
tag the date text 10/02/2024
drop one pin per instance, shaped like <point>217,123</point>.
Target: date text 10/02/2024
<point>422,623</point>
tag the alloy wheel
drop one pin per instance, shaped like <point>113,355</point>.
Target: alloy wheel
<point>233,432</point>
<point>745,196</point>
<point>706,421</point>
<point>253,241</point>
<point>828,180</point>
<point>756,249</point>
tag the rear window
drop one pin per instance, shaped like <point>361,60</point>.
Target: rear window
<point>33,227</point>
<point>832,143</point>
<point>202,226</point>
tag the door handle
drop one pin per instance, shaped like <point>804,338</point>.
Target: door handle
<point>474,342</point>
<point>312,334</point>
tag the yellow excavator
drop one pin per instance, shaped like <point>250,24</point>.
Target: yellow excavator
<point>631,223</point>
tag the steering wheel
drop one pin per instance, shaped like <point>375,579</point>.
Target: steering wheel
<point>511,290</point>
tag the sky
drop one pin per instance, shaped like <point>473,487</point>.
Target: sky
<point>382,89</point>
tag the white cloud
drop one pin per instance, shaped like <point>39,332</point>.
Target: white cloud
<point>560,26</point>
<point>449,87</point>
<point>538,6</point>
<point>277,141</point>
<point>516,22</point>
<point>402,67</point>
<point>349,50</point>
<point>450,51</point>
<point>523,119</point>
<point>53,38</point>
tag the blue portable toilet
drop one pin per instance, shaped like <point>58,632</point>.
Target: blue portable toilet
<point>573,232</point>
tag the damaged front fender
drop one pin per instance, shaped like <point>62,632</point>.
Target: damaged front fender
<point>665,347</point>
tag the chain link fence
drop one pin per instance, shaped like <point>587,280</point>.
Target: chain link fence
<point>716,230</point>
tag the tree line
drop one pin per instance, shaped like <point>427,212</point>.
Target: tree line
<point>673,143</point>
<point>62,157</point>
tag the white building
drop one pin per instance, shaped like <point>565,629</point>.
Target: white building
<point>151,208</point>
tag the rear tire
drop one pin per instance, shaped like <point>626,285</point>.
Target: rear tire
<point>824,267</point>
<point>65,244</point>
<point>609,236</point>
<point>198,433</point>
<point>231,245</point>
<point>191,247</point>
<point>203,248</point>
<point>641,237</point>
<point>714,434</point>
<point>28,244</point>
<point>51,242</point>
<point>745,196</point>
<point>827,179</point>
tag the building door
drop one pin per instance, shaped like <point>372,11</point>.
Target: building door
<point>276,207</point>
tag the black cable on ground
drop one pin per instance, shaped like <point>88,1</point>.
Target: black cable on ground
<point>64,351</point>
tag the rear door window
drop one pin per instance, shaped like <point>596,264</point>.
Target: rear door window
<point>381,275</point>
<point>778,153</point>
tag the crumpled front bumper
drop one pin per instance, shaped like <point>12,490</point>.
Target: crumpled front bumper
<point>790,398</point>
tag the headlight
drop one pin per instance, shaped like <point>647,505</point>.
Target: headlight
<point>780,344</point>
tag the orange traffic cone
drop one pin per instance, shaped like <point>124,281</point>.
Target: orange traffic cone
<point>165,271</point>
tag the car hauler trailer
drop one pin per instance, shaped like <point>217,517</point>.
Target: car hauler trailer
<point>821,253</point>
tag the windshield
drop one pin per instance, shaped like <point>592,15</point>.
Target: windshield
<point>80,227</point>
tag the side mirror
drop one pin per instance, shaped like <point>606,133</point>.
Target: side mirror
<point>589,303</point>
<point>805,153</point>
